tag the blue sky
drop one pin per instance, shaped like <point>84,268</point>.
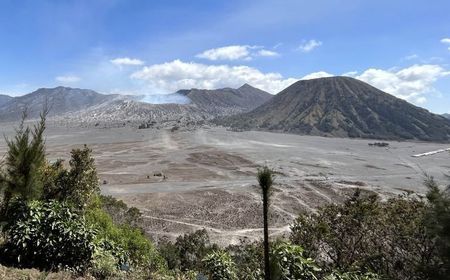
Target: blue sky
<point>153,47</point>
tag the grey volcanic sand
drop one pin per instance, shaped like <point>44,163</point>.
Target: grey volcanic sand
<point>207,176</point>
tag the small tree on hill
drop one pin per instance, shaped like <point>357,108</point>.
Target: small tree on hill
<point>23,163</point>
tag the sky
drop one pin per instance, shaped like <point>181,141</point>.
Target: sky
<point>157,47</point>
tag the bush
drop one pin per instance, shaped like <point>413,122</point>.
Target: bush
<point>288,262</point>
<point>48,235</point>
<point>249,260</point>
<point>219,265</point>
<point>127,244</point>
<point>188,251</point>
<point>352,276</point>
<point>387,237</point>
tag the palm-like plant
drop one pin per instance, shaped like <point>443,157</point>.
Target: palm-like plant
<point>265,180</point>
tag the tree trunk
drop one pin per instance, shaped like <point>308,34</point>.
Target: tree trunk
<point>266,236</point>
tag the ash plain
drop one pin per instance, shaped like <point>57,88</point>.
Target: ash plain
<point>205,177</point>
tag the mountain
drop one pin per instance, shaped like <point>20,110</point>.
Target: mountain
<point>445,115</point>
<point>182,108</point>
<point>60,100</point>
<point>4,99</point>
<point>227,101</point>
<point>342,107</point>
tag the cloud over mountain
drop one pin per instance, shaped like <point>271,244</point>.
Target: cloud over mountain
<point>177,74</point>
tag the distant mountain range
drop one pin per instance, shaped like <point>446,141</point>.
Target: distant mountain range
<point>342,107</point>
<point>335,106</point>
<point>60,100</point>
<point>87,106</point>
<point>4,99</point>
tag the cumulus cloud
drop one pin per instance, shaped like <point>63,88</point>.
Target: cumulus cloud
<point>121,61</point>
<point>236,52</point>
<point>68,79</point>
<point>410,83</point>
<point>309,45</point>
<point>178,74</point>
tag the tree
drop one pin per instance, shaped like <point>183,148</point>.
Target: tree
<point>24,160</point>
<point>438,223</point>
<point>265,180</point>
<point>82,181</point>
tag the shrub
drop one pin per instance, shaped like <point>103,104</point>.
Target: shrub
<point>352,276</point>
<point>219,265</point>
<point>130,246</point>
<point>387,237</point>
<point>248,259</point>
<point>48,235</point>
<point>288,262</point>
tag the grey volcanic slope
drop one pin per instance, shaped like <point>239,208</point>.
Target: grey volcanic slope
<point>227,101</point>
<point>4,99</point>
<point>343,107</point>
<point>198,105</point>
<point>60,100</point>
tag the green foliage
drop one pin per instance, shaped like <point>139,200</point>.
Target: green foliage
<point>352,276</point>
<point>438,223</point>
<point>265,178</point>
<point>24,159</point>
<point>128,245</point>
<point>120,212</point>
<point>288,263</point>
<point>188,251</point>
<point>48,235</point>
<point>219,265</point>
<point>82,187</point>
<point>248,259</point>
<point>387,237</point>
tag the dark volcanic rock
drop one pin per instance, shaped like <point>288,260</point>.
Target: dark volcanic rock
<point>343,107</point>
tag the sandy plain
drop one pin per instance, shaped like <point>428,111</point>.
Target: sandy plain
<point>205,178</point>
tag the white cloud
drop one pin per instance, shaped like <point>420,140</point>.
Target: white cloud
<point>234,52</point>
<point>120,61</point>
<point>68,79</point>
<point>267,53</point>
<point>445,40</point>
<point>309,45</point>
<point>316,75</point>
<point>178,74</point>
<point>411,83</point>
